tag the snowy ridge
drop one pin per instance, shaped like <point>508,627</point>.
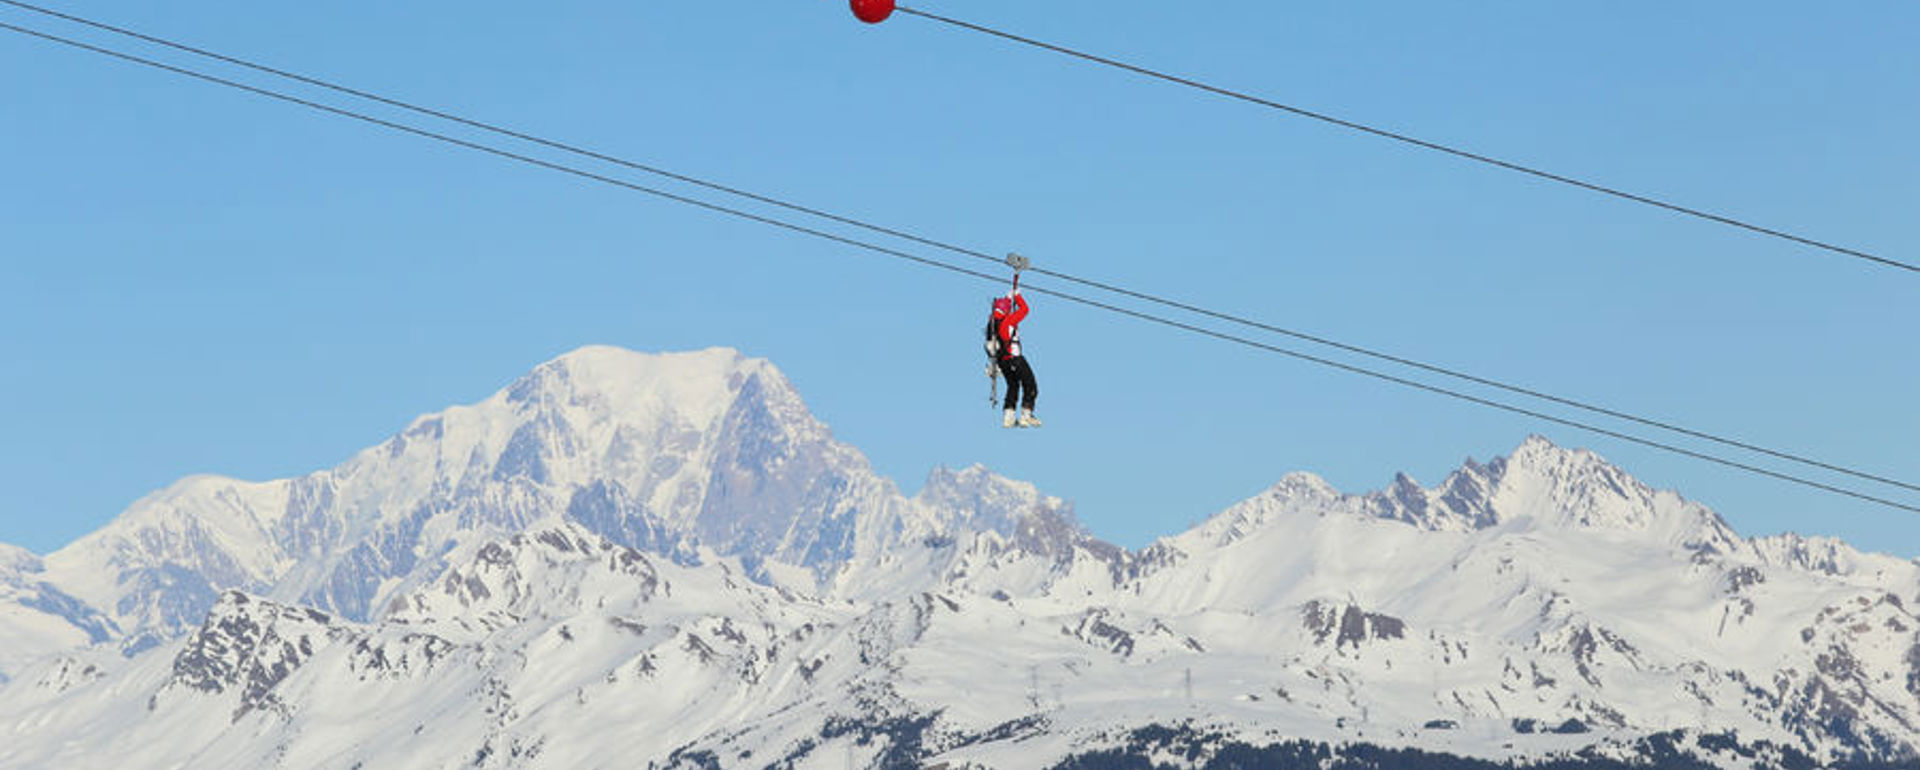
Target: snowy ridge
<point>544,648</point>
<point>1539,486</point>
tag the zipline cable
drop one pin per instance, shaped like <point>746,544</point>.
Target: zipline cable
<point>977,254</point>
<point>801,229</point>
<point>1415,141</point>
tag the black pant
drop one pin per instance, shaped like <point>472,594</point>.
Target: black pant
<point>1019,382</point>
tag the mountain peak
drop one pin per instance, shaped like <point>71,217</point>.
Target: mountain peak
<point>1298,493</point>
<point>982,499</point>
<point>611,358</point>
<point>1576,487</point>
<point>1542,484</point>
<point>1301,484</point>
<point>1539,453</point>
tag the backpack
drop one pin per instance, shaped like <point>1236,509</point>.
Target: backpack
<point>993,340</point>
<point>993,363</point>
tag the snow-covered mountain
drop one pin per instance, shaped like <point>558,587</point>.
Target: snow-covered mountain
<point>628,560</point>
<point>667,453</point>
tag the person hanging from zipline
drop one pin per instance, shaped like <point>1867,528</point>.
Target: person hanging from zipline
<point>1003,328</point>
<point>1022,390</point>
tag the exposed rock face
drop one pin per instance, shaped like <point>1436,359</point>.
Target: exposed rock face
<point>248,647</point>
<point>1349,625</point>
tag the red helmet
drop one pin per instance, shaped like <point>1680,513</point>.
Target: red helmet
<point>1002,306</point>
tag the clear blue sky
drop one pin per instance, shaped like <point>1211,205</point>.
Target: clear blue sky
<point>200,281</point>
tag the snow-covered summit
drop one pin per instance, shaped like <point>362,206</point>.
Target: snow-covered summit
<point>1541,485</point>
<point>609,386</point>
<point>592,413</point>
<point>994,502</point>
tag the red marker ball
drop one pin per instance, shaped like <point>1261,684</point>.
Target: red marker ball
<point>872,11</point>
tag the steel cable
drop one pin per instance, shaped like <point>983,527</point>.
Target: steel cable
<point>929,262</point>
<point>1417,142</point>
<point>975,253</point>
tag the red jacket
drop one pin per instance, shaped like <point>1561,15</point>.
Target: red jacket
<point>1009,330</point>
